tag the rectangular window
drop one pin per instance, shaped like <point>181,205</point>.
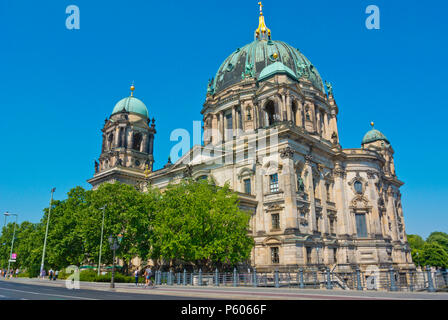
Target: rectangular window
<point>274,183</point>
<point>275,221</point>
<point>335,255</point>
<point>361,226</point>
<point>331,226</point>
<point>274,255</point>
<point>327,186</point>
<point>309,250</point>
<point>247,186</point>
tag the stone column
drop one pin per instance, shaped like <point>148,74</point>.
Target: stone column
<point>282,109</point>
<point>326,129</point>
<point>392,214</point>
<point>144,145</point>
<point>260,216</point>
<point>289,109</point>
<point>221,125</point>
<point>117,136</point>
<point>310,184</point>
<point>299,116</point>
<point>318,123</point>
<point>234,120</point>
<point>289,189</point>
<point>343,214</point>
<point>255,116</point>
<point>324,199</point>
<point>375,224</point>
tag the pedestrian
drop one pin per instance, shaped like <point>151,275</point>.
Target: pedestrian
<point>136,277</point>
<point>50,274</point>
<point>148,273</point>
<point>56,274</point>
<point>17,272</point>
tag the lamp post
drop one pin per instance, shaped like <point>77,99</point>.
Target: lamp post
<point>46,232</point>
<point>12,240</point>
<point>101,241</point>
<point>114,245</point>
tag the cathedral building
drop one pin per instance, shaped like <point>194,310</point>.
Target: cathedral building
<point>271,132</point>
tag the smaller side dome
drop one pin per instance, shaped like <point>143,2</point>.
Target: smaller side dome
<point>131,104</point>
<point>374,135</point>
<point>276,68</point>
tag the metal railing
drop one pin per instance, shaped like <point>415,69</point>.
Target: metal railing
<point>391,280</point>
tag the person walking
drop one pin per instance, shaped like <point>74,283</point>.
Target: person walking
<point>50,274</point>
<point>56,274</point>
<point>148,274</point>
<point>136,277</point>
<point>17,272</point>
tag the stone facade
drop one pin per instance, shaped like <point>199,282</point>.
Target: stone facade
<point>271,132</point>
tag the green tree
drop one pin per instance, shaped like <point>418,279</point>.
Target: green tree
<point>201,224</point>
<point>434,255</point>
<point>127,212</point>
<point>415,241</point>
<point>440,238</point>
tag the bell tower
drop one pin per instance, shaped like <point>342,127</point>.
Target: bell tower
<point>128,144</point>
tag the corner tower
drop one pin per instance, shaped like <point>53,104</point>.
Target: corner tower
<point>128,144</point>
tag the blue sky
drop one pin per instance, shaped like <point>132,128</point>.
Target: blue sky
<point>57,85</point>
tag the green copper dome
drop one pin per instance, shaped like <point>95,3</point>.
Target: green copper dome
<point>255,57</point>
<point>374,135</point>
<point>131,104</point>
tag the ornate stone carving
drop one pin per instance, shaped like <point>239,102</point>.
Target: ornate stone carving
<point>371,174</point>
<point>339,172</point>
<point>308,159</point>
<point>287,153</point>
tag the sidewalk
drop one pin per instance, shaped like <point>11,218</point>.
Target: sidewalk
<point>244,293</point>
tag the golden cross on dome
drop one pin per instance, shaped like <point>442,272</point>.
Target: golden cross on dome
<point>372,124</point>
<point>262,31</point>
<point>132,89</point>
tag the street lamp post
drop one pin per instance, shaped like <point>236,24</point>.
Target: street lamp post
<point>12,240</point>
<point>46,232</point>
<point>101,241</point>
<point>114,245</point>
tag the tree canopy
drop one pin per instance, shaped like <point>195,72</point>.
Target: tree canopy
<point>432,252</point>
<point>192,223</point>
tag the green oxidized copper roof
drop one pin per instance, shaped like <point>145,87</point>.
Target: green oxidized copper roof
<point>253,58</point>
<point>131,104</point>
<point>374,135</point>
<point>276,68</point>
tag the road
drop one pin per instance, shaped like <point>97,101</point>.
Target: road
<point>11,290</point>
<point>34,289</point>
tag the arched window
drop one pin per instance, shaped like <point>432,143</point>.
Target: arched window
<point>137,141</point>
<point>270,113</point>
<point>294,113</point>
<point>248,112</point>
<point>110,141</point>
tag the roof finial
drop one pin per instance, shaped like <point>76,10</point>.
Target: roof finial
<point>132,89</point>
<point>262,32</point>
<point>372,124</point>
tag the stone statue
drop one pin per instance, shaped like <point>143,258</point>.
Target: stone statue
<point>300,184</point>
<point>329,88</point>
<point>96,166</point>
